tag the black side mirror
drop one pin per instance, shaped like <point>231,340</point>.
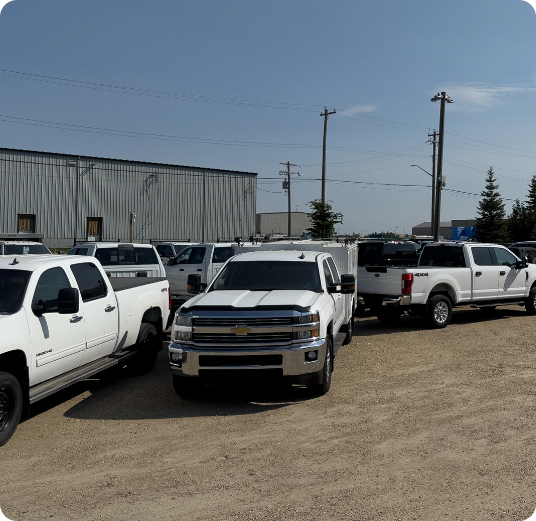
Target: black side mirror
<point>172,261</point>
<point>68,301</point>
<point>347,284</point>
<point>520,264</point>
<point>39,307</point>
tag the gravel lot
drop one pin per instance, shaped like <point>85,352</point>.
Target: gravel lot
<point>419,424</point>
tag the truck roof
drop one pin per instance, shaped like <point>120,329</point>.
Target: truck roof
<point>114,244</point>
<point>278,255</point>
<point>32,262</point>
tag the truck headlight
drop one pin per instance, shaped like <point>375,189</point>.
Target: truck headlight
<point>307,319</point>
<point>185,335</point>
<point>183,320</point>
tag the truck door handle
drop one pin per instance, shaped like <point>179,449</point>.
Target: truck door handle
<point>181,269</point>
<point>75,319</point>
<point>502,273</point>
<point>478,273</point>
<point>200,270</point>
<point>109,308</point>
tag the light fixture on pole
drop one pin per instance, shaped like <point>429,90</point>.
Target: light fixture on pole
<point>440,182</point>
<point>432,228</point>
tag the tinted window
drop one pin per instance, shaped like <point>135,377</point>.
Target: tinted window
<point>267,276</point>
<point>89,280</point>
<point>107,256</point>
<point>48,287</point>
<point>482,256</point>
<point>184,255</point>
<point>504,257</point>
<point>24,249</point>
<point>327,273</point>
<point>12,288</point>
<point>369,254</point>
<point>222,254</point>
<point>197,255</point>
<point>394,254</point>
<point>145,256</point>
<point>77,251</point>
<point>447,256</point>
<point>165,250</point>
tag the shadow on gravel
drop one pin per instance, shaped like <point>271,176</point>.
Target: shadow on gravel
<point>369,325</point>
<point>113,395</point>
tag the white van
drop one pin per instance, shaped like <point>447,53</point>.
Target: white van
<point>123,259</point>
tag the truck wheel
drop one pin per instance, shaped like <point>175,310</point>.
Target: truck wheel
<point>147,351</point>
<point>349,332</point>
<point>360,310</point>
<point>439,311</point>
<point>10,406</point>
<point>322,388</point>
<point>389,315</point>
<point>530,302</point>
<point>188,388</point>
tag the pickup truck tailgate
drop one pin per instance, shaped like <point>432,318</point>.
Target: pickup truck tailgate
<point>380,281</point>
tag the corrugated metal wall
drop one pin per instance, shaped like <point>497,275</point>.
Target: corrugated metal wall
<point>170,202</point>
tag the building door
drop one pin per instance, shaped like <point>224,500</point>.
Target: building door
<point>26,223</point>
<point>94,229</point>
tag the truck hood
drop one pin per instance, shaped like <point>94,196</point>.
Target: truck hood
<point>253,299</point>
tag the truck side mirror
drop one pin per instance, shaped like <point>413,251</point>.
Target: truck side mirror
<point>194,284</point>
<point>347,284</point>
<point>172,261</point>
<point>520,264</point>
<point>68,301</point>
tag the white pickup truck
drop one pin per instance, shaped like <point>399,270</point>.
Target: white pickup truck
<point>450,274</point>
<point>63,320</point>
<point>272,314</point>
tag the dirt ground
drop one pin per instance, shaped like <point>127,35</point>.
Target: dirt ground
<point>419,425</point>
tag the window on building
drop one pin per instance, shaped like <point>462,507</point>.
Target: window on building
<point>94,229</point>
<point>26,223</point>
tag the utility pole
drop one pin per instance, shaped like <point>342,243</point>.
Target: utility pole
<point>434,143</point>
<point>326,115</point>
<point>77,196</point>
<point>286,184</point>
<point>440,179</point>
<point>132,221</point>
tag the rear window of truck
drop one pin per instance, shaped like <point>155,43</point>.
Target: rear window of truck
<point>387,254</point>
<point>24,249</point>
<point>131,256</point>
<point>446,256</point>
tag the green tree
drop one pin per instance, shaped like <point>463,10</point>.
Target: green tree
<point>323,220</point>
<point>519,222</point>
<point>491,222</point>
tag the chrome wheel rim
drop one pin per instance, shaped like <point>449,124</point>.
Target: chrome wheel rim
<point>441,312</point>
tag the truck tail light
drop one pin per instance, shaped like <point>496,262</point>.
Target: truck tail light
<point>407,282</point>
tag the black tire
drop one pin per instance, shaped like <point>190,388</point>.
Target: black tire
<point>188,387</point>
<point>439,311</point>
<point>530,302</point>
<point>322,388</point>
<point>11,402</point>
<point>389,315</point>
<point>147,347</point>
<point>349,332</point>
<point>360,310</point>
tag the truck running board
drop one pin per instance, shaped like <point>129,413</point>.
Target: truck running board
<point>496,304</point>
<point>53,385</point>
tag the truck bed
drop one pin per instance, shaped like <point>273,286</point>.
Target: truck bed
<point>121,283</point>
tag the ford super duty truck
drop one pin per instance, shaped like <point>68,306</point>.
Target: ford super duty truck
<point>271,314</point>
<point>62,320</point>
<point>447,275</point>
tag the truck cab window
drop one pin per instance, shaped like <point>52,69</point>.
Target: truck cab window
<point>327,274</point>
<point>48,287</point>
<point>505,258</point>
<point>482,256</point>
<point>197,256</point>
<point>89,279</point>
<point>12,288</point>
<point>184,255</point>
<point>334,271</point>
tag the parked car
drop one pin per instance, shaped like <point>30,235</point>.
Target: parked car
<point>62,320</point>
<point>450,274</point>
<point>123,259</point>
<point>267,314</point>
<point>169,250</point>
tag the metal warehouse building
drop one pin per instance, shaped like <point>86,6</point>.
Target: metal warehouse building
<point>68,197</point>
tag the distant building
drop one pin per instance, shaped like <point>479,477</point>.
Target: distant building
<point>456,230</point>
<point>277,223</point>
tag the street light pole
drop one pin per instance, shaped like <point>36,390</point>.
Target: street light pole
<point>440,180</point>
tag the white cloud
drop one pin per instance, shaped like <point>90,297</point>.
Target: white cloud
<point>477,97</point>
<point>357,109</point>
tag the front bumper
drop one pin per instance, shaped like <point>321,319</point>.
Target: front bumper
<point>291,360</point>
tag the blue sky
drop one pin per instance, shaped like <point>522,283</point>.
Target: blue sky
<point>240,85</point>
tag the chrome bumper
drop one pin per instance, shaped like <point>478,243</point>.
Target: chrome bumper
<point>293,362</point>
<point>404,300</point>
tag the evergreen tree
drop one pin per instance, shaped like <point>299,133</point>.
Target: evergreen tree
<point>530,231</point>
<point>323,220</point>
<point>491,222</point>
<point>519,223</point>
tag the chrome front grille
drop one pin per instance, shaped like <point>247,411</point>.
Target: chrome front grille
<point>250,321</point>
<point>251,338</point>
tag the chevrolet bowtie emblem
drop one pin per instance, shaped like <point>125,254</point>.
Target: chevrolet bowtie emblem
<point>241,330</point>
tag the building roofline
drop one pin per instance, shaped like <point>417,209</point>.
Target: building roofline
<point>76,156</point>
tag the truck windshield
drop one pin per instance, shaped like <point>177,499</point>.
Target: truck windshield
<point>23,249</point>
<point>446,256</point>
<point>268,275</point>
<point>12,288</point>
